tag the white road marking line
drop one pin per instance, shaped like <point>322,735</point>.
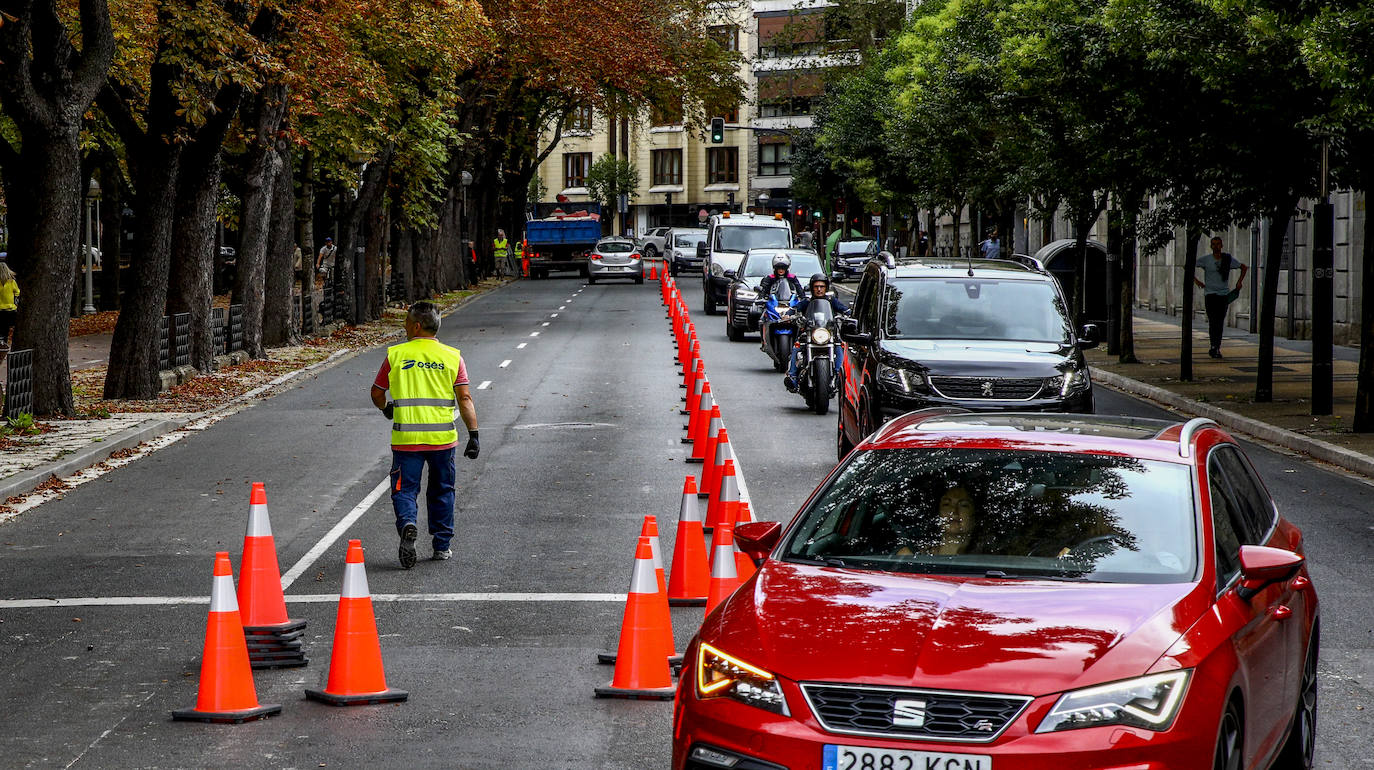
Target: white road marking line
<point>334,534</point>
<point>521,346</point>
<point>546,323</point>
<point>485,384</point>
<point>562,307</point>
<point>534,334</point>
<point>138,601</point>
<point>553,315</point>
<point>504,364</point>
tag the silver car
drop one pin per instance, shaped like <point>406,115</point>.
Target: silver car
<point>615,258</point>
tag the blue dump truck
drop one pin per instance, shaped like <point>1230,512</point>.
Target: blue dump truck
<point>562,238</point>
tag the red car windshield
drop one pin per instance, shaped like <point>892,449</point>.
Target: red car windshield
<point>998,512</point>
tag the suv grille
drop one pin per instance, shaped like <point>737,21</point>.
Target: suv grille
<point>988,388</point>
<point>926,714</point>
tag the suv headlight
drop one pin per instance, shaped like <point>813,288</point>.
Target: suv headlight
<point>724,676</point>
<point>717,270</point>
<point>902,380</point>
<point>1149,702</point>
<point>1072,382</point>
<point>820,336</point>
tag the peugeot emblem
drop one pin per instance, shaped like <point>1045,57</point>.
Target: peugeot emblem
<point>909,713</point>
<point>987,388</point>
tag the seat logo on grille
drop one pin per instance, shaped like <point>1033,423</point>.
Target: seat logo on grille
<point>909,713</point>
<point>987,387</point>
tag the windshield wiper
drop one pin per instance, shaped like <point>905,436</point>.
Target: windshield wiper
<point>831,561</point>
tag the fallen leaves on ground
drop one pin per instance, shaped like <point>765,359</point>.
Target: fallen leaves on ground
<point>98,323</point>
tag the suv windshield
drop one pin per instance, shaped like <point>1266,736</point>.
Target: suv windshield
<point>975,309</point>
<point>688,240</point>
<point>997,512</point>
<point>743,238</point>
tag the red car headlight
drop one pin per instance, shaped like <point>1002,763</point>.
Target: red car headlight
<point>1149,702</point>
<point>720,675</point>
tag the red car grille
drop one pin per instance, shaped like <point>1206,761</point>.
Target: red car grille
<point>985,388</point>
<point>916,714</point>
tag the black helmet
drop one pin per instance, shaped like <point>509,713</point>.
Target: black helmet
<point>782,260</point>
<point>819,277</point>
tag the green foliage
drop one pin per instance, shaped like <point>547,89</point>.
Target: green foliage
<point>537,189</point>
<point>609,177</point>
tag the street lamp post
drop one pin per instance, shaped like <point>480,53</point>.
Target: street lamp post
<point>763,200</point>
<point>92,197</point>
<point>1323,291</point>
<point>465,179</point>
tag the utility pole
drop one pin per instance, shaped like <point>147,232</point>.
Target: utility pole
<point>1323,290</point>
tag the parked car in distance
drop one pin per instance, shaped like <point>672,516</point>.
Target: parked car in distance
<point>848,258</point>
<point>1015,592</point>
<point>615,258</point>
<point>680,249</point>
<point>655,241</point>
<point>743,305</point>
<point>982,334</point>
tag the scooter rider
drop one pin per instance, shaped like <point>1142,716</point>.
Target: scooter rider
<point>820,288</point>
<point>782,265</point>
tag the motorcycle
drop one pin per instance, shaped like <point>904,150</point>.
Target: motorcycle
<point>776,326</point>
<point>817,357</point>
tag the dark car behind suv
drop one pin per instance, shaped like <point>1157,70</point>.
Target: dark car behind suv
<point>983,334</point>
<point>848,258</point>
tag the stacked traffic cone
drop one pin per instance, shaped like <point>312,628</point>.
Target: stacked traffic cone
<point>650,530</point>
<point>690,577</point>
<point>274,641</point>
<point>226,679</point>
<point>723,508</point>
<point>719,452</point>
<point>703,439</point>
<point>724,578</point>
<point>356,676</point>
<point>641,665</point>
<point>691,366</point>
<point>700,415</point>
<point>694,394</point>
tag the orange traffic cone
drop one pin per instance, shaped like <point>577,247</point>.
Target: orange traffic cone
<point>653,270</point>
<point>698,379</point>
<point>650,530</point>
<point>641,665</point>
<point>261,604</point>
<point>690,577</point>
<point>745,515</point>
<point>717,452</point>
<point>724,579</point>
<point>356,676</point>
<point>226,679</point>
<point>702,439</point>
<point>722,509</point>
<point>701,414</point>
<point>744,566</point>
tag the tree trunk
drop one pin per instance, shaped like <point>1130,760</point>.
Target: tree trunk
<point>1185,353</point>
<point>1269,300</point>
<point>1126,313</point>
<point>280,322</point>
<point>263,166</point>
<point>113,194</point>
<point>403,263</point>
<point>191,284</point>
<point>1364,387</point>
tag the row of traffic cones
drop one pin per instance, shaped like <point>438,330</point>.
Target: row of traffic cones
<point>262,636</point>
<point>645,655</point>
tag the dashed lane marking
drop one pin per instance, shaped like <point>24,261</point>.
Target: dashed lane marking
<point>553,315</point>
<point>144,601</point>
<point>485,384</point>
<point>521,346</point>
<point>546,323</point>
<point>504,364</point>
<point>534,334</point>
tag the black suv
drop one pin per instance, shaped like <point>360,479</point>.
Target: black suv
<point>982,334</point>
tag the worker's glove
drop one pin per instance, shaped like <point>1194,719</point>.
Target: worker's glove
<point>389,409</point>
<point>473,448</point>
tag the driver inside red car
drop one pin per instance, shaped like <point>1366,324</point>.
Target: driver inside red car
<point>952,533</point>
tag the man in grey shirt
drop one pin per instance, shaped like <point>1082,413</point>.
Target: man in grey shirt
<point>1217,293</point>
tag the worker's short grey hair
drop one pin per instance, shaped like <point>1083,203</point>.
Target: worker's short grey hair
<point>425,315</point>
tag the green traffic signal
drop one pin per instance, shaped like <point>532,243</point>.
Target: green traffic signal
<point>717,130</point>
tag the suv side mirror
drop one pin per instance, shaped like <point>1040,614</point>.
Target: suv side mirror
<point>701,249</point>
<point>1088,337</point>
<point>1262,566</point>
<point>849,332</point>
<point>757,539</point>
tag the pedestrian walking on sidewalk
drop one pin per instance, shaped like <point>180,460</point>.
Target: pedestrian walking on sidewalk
<point>426,379</point>
<point>9,302</point>
<point>1217,293</point>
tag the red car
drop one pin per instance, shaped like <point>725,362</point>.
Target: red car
<point>1015,592</point>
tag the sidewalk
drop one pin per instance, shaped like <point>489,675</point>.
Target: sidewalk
<point>1224,389</point>
<point>30,463</point>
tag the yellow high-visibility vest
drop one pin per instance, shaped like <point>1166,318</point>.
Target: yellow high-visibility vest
<point>422,375</point>
<point>502,248</point>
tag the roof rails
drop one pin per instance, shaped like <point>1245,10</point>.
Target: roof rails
<point>1027,261</point>
<point>1185,436</point>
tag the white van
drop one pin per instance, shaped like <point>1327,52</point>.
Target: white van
<point>728,238</point>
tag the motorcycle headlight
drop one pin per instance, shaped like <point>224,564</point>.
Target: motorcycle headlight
<point>820,336</point>
<point>901,380</point>
<point>724,676</point>
<point>746,294</point>
<point>717,270</point>
<point>1149,702</point>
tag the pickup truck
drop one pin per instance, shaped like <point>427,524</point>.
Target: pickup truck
<point>562,239</point>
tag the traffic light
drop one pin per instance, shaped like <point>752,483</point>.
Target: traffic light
<point>801,212</point>
<point>717,130</point>
<point>816,214</point>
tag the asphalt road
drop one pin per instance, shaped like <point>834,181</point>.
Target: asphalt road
<point>577,397</point>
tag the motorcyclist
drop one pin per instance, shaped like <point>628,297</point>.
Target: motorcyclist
<point>782,266</point>
<point>820,289</point>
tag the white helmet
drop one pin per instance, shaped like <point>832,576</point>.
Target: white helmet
<point>782,260</point>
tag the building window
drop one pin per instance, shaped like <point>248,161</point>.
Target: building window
<point>728,111</point>
<point>775,159</point>
<point>786,94</point>
<point>784,107</point>
<point>667,167</point>
<point>666,115</point>
<point>580,119</point>
<point>791,33</point>
<point>575,165</point>
<point>722,165</point>
<point>725,35</point>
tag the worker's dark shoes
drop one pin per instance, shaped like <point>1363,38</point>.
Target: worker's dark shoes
<point>407,552</point>
<point>790,384</point>
<point>443,555</point>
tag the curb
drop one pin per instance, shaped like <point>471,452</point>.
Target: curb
<point>1320,450</point>
<point>26,481</point>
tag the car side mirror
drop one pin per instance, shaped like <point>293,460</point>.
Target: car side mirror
<point>1088,337</point>
<point>757,539</point>
<point>729,273</point>
<point>1262,566</point>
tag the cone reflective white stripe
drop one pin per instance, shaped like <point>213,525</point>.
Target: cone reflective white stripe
<point>658,557</point>
<point>222,596</point>
<point>355,582</point>
<point>643,580</point>
<point>723,560</point>
<point>690,510</point>
<point>259,523</point>
<point>724,578</point>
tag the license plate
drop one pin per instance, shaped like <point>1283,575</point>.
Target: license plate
<point>865,758</point>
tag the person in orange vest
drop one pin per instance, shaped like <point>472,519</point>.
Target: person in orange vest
<point>426,380</point>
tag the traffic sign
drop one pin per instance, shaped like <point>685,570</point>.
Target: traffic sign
<point>877,220</point>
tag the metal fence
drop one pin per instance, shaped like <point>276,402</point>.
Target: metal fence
<point>164,344</point>
<point>181,339</point>
<point>19,383</point>
<point>234,337</point>
<point>218,320</point>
